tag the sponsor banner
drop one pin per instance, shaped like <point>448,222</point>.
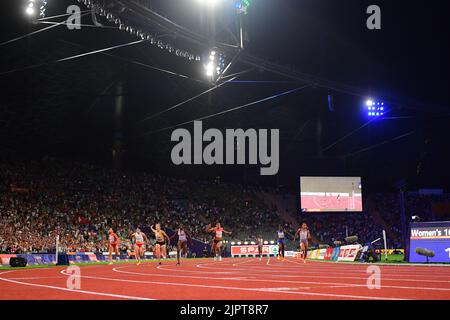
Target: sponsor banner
<point>253,250</point>
<point>4,258</point>
<point>32,259</point>
<point>289,254</point>
<point>434,236</point>
<point>292,254</point>
<point>335,254</point>
<point>329,253</point>
<point>36,259</point>
<point>391,251</point>
<point>315,254</point>
<point>349,253</point>
<point>322,253</point>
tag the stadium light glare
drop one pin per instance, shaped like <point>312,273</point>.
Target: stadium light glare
<point>266,242</point>
<point>208,2</point>
<point>30,11</point>
<point>253,242</point>
<point>233,243</point>
<point>375,108</point>
<point>272,242</point>
<point>215,65</point>
<point>239,243</point>
<point>369,103</point>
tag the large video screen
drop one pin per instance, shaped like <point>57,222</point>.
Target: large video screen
<point>434,236</point>
<point>330,194</point>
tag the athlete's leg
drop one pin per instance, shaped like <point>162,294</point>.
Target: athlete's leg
<point>215,250</point>
<point>219,253</point>
<point>158,252</point>
<point>302,250</point>
<point>178,251</point>
<point>306,252</point>
<point>117,253</point>
<point>279,250</point>
<point>185,249</point>
<point>137,254</point>
<point>163,251</point>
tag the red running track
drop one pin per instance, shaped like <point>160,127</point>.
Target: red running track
<point>231,279</point>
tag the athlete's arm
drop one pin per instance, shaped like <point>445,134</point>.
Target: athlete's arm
<point>166,236</point>
<point>227,232</point>
<point>189,237</point>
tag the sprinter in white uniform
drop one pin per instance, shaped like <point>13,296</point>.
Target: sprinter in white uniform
<point>183,236</point>
<point>139,244</point>
<point>303,233</point>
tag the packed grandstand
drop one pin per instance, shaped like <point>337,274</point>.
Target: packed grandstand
<point>79,202</point>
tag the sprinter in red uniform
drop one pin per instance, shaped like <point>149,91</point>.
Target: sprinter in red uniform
<point>218,238</point>
<point>113,240</point>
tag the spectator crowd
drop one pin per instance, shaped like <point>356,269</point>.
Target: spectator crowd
<point>40,200</point>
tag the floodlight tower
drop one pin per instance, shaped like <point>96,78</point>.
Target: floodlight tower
<point>241,7</point>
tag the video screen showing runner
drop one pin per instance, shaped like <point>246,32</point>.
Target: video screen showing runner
<point>330,194</point>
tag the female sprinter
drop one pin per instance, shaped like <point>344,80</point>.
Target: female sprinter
<point>183,236</point>
<point>218,234</point>
<point>160,246</point>
<point>139,244</point>
<point>304,234</point>
<point>260,242</point>
<point>113,244</point>
<point>281,234</point>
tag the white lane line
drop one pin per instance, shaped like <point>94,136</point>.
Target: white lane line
<point>307,274</point>
<point>304,274</point>
<point>238,264</point>
<point>246,279</point>
<point>293,270</point>
<point>73,291</point>
<point>240,289</point>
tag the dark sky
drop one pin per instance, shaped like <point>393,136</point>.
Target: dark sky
<point>67,108</point>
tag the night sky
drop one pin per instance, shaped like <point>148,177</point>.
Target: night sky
<point>67,108</point>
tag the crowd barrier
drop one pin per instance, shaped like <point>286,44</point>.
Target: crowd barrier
<point>74,257</point>
<point>252,250</point>
<point>343,253</point>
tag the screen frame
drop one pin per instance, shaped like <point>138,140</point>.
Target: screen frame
<point>310,213</point>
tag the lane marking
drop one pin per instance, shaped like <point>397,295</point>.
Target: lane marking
<point>73,291</point>
<point>242,289</point>
<point>284,281</point>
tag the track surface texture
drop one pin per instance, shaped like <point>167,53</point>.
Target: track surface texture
<point>230,279</point>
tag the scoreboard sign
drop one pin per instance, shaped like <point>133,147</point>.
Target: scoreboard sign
<point>250,250</point>
<point>433,236</point>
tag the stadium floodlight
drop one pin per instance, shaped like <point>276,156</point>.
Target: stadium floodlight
<point>215,64</point>
<point>253,242</point>
<point>208,2</point>
<point>245,242</point>
<point>239,243</point>
<point>375,108</point>
<point>272,242</point>
<point>233,243</point>
<point>31,8</point>
<point>266,242</point>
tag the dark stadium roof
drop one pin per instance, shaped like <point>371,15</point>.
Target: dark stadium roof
<point>67,108</point>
